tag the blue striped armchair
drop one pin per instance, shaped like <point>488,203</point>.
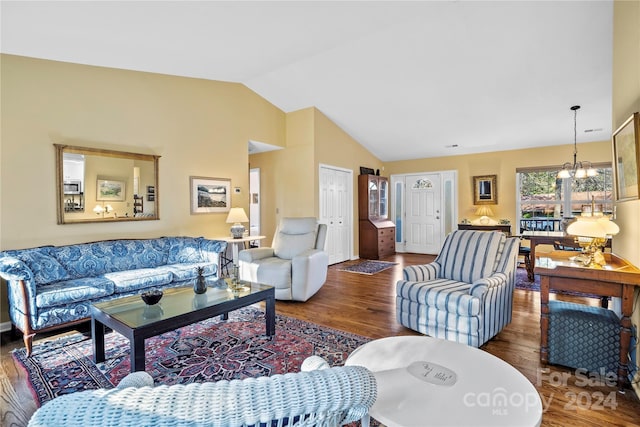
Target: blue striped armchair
<point>466,294</point>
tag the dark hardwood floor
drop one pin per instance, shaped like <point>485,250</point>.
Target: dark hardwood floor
<point>365,305</point>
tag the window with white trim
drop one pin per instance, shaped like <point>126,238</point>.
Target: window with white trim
<point>544,200</point>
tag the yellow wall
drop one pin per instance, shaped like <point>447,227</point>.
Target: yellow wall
<point>198,127</point>
<point>504,165</point>
<point>626,100</point>
<point>289,178</point>
<point>334,147</point>
<point>286,176</point>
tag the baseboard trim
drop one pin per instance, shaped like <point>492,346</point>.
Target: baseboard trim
<point>5,326</point>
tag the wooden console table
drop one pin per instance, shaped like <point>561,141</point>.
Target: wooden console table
<point>505,228</point>
<point>617,279</point>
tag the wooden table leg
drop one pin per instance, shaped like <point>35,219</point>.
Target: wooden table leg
<point>625,335</point>
<point>532,252</point>
<point>544,319</point>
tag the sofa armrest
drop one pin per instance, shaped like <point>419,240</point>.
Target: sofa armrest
<point>253,254</point>
<point>313,363</point>
<point>211,250</point>
<point>421,273</point>
<point>338,396</point>
<point>308,273</point>
<point>136,379</point>
<point>479,287</point>
<point>21,290</point>
<point>12,268</point>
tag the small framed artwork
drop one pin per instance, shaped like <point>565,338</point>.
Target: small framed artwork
<point>485,190</point>
<point>626,157</point>
<point>151,197</point>
<point>110,190</point>
<point>210,195</point>
<point>151,189</point>
<point>366,171</point>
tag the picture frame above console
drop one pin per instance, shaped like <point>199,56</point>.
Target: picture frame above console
<point>485,190</point>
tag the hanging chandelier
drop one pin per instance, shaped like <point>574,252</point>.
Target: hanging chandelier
<point>576,169</point>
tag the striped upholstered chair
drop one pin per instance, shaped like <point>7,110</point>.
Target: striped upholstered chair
<point>466,294</point>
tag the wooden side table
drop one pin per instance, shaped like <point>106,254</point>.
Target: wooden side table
<point>617,279</point>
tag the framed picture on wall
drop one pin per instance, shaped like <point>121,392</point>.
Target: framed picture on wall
<point>485,190</point>
<point>210,195</point>
<point>110,190</point>
<point>626,157</point>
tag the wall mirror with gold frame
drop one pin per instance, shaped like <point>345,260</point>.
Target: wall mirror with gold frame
<point>96,185</point>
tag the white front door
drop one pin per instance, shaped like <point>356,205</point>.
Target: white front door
<point>423,213</point>
<point>336,190</point>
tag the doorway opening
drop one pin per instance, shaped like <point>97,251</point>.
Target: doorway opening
<point>254,205</point>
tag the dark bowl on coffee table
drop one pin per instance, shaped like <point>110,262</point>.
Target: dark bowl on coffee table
<point>151,297</point>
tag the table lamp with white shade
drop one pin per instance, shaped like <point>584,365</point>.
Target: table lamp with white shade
<point>102,210</point>
<point>236,217</point>
<point>592,231</point>
<point>484,212</point>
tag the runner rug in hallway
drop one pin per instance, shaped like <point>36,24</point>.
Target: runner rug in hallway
<point>211,350</point>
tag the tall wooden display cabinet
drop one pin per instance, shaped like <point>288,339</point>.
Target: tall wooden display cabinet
<point>377,232</point>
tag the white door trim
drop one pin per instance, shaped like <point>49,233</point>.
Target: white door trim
<point>449,214</point>
<point>349,207</point>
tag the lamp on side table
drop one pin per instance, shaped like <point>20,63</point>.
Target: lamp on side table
<point>236,217</point>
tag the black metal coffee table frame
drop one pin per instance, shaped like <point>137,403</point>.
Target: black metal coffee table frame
<point>137,334</point>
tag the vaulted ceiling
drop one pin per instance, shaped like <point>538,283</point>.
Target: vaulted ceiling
<point>405,79</point>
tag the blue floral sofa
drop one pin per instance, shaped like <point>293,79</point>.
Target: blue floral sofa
<point>53,286</point>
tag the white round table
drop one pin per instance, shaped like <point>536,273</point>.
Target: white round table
<point>452,385</point>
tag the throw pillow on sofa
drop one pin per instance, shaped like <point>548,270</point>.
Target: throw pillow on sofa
<point>185,250</point>
<point>45,268</point>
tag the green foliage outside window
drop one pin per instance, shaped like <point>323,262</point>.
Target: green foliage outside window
<point>543,195</point>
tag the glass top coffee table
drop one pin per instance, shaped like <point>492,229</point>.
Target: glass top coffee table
<point>179,307</point>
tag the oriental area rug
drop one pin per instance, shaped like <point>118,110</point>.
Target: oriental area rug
<point>211,350</point>
<point>368,267</point>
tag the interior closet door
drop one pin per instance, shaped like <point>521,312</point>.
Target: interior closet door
<point>336,190</point>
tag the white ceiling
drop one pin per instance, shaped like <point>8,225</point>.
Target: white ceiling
<point>404,79</point>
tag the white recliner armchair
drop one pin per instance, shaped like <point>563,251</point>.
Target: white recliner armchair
<point>296,264</point>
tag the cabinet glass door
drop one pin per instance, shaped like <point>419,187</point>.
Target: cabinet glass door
<point>373,198</point>
<point>383,198</point>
